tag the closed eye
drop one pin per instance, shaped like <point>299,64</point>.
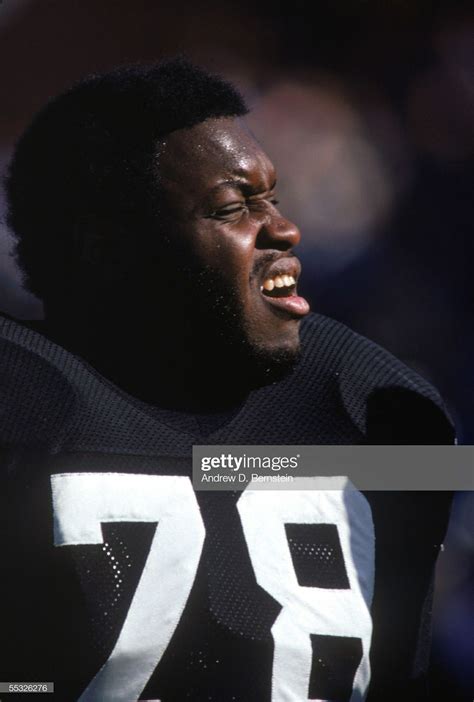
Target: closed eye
<point>234,210</point>
<point>229,212</point>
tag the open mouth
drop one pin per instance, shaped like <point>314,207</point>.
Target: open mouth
<point>279,286</point>
<point>279,290</point>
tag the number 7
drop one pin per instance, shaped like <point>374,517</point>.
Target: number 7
<point>81,501</point>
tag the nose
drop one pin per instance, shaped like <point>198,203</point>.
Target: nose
<point>277,232</point>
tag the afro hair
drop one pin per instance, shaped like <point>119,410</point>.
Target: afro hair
<point>92,153</point>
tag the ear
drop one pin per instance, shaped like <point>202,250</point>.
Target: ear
<point>102,244</point>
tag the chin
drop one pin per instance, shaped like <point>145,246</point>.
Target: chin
<point>268,364</point>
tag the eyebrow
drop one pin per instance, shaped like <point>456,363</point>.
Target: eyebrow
<point>241,183</point>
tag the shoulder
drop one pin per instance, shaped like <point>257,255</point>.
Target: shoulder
<point>52,400</point>
<point>387,400</point>
<point>36,396</point>
<point>358,362</point>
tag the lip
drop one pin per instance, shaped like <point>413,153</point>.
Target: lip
<point>293,305</point>
<point>289,265</point>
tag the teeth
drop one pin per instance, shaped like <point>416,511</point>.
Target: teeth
<point>279,281</point>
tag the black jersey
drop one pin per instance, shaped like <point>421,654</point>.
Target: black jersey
<point>120,583</point>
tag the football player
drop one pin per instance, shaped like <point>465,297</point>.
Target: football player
<point>147,219</point>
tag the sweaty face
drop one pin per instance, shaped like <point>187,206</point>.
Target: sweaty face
<point>219,195</point>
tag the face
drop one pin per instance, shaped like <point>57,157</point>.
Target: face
<point>219,196</point>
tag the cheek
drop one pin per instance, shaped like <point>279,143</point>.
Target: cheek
<point>230,253</point>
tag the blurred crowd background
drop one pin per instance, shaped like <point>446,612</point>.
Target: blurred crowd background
<point>367,109</point>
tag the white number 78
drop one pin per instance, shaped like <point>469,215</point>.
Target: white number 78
<point>82,501</point>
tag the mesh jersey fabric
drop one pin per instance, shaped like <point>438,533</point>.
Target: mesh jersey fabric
<point>65,607</point>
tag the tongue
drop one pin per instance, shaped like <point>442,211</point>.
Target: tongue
<point>293,304</point>
<point>297,304</point>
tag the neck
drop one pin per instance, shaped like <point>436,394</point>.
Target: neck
<point>173,367</point>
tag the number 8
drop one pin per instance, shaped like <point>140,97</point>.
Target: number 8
<point>310,610</point>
